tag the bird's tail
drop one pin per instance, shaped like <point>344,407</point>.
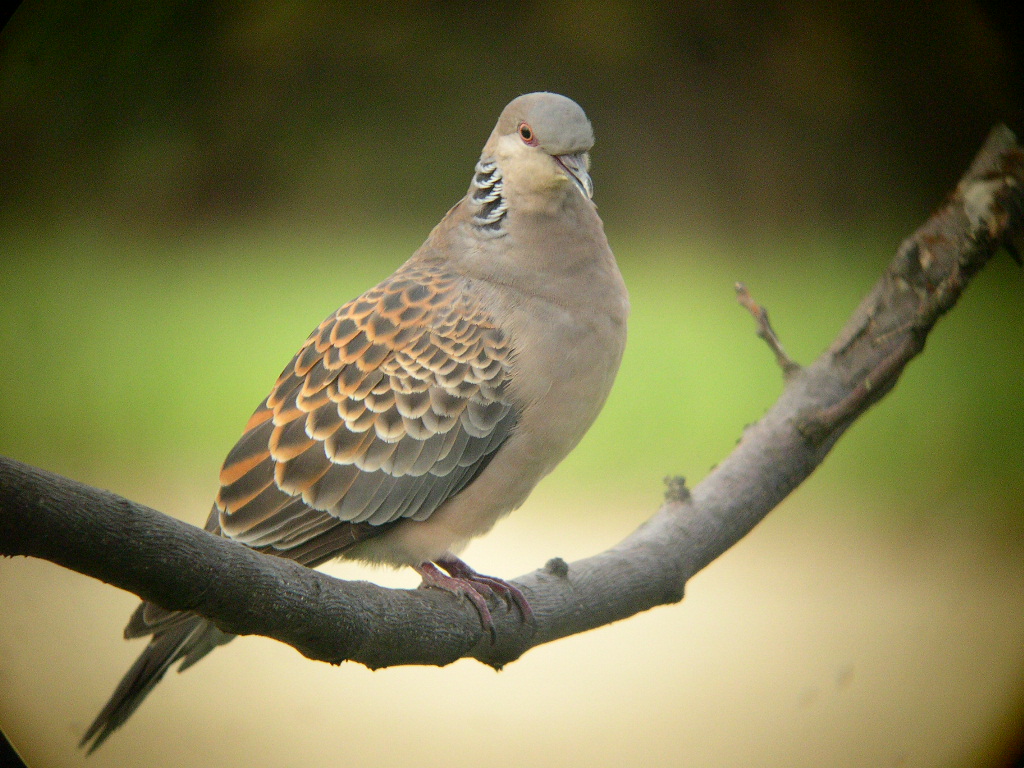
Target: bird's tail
<point>181,636</point>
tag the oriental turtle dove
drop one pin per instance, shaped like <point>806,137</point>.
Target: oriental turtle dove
<point>418,414</point>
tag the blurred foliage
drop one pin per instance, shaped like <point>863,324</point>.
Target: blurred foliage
<point>172,114</point>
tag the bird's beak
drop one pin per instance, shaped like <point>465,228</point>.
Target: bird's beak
<point>575,166</point>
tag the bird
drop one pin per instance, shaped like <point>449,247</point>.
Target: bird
<point>418,414</point>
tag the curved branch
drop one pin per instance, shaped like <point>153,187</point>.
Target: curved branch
<point>182,567</point>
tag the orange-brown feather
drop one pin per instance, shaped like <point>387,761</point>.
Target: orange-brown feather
<point>392,405</point>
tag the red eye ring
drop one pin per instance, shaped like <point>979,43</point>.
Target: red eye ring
<point>527,135</point>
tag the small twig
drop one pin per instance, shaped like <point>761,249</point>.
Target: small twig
<point>765,331</point>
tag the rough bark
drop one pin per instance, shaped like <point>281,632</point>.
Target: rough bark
<point>182,567</point>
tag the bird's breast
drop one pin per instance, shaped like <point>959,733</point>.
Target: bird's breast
<point>565,359</point>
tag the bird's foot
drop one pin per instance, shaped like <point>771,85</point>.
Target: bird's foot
<point>463,580</point>
<point>511,594</point>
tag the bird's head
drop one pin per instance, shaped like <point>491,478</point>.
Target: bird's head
<point>541,143</point>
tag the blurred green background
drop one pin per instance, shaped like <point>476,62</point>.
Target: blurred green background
<point>187,189</point>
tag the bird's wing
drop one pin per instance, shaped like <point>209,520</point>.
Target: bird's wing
<point>392,406</point>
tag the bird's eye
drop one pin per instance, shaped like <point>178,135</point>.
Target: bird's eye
<point>527,135</point>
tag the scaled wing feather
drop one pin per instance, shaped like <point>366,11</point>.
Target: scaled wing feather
<point>393,405</point>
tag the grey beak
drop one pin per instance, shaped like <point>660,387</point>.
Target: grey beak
<point>576,168</point>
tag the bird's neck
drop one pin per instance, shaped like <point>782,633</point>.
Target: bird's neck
<point>534,251</point>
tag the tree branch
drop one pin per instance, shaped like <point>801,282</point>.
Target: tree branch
<point>182,567</point>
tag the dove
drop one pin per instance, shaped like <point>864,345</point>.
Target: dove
<point>421,412</point>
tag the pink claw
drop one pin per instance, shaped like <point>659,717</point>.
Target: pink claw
<point>463,580</point>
